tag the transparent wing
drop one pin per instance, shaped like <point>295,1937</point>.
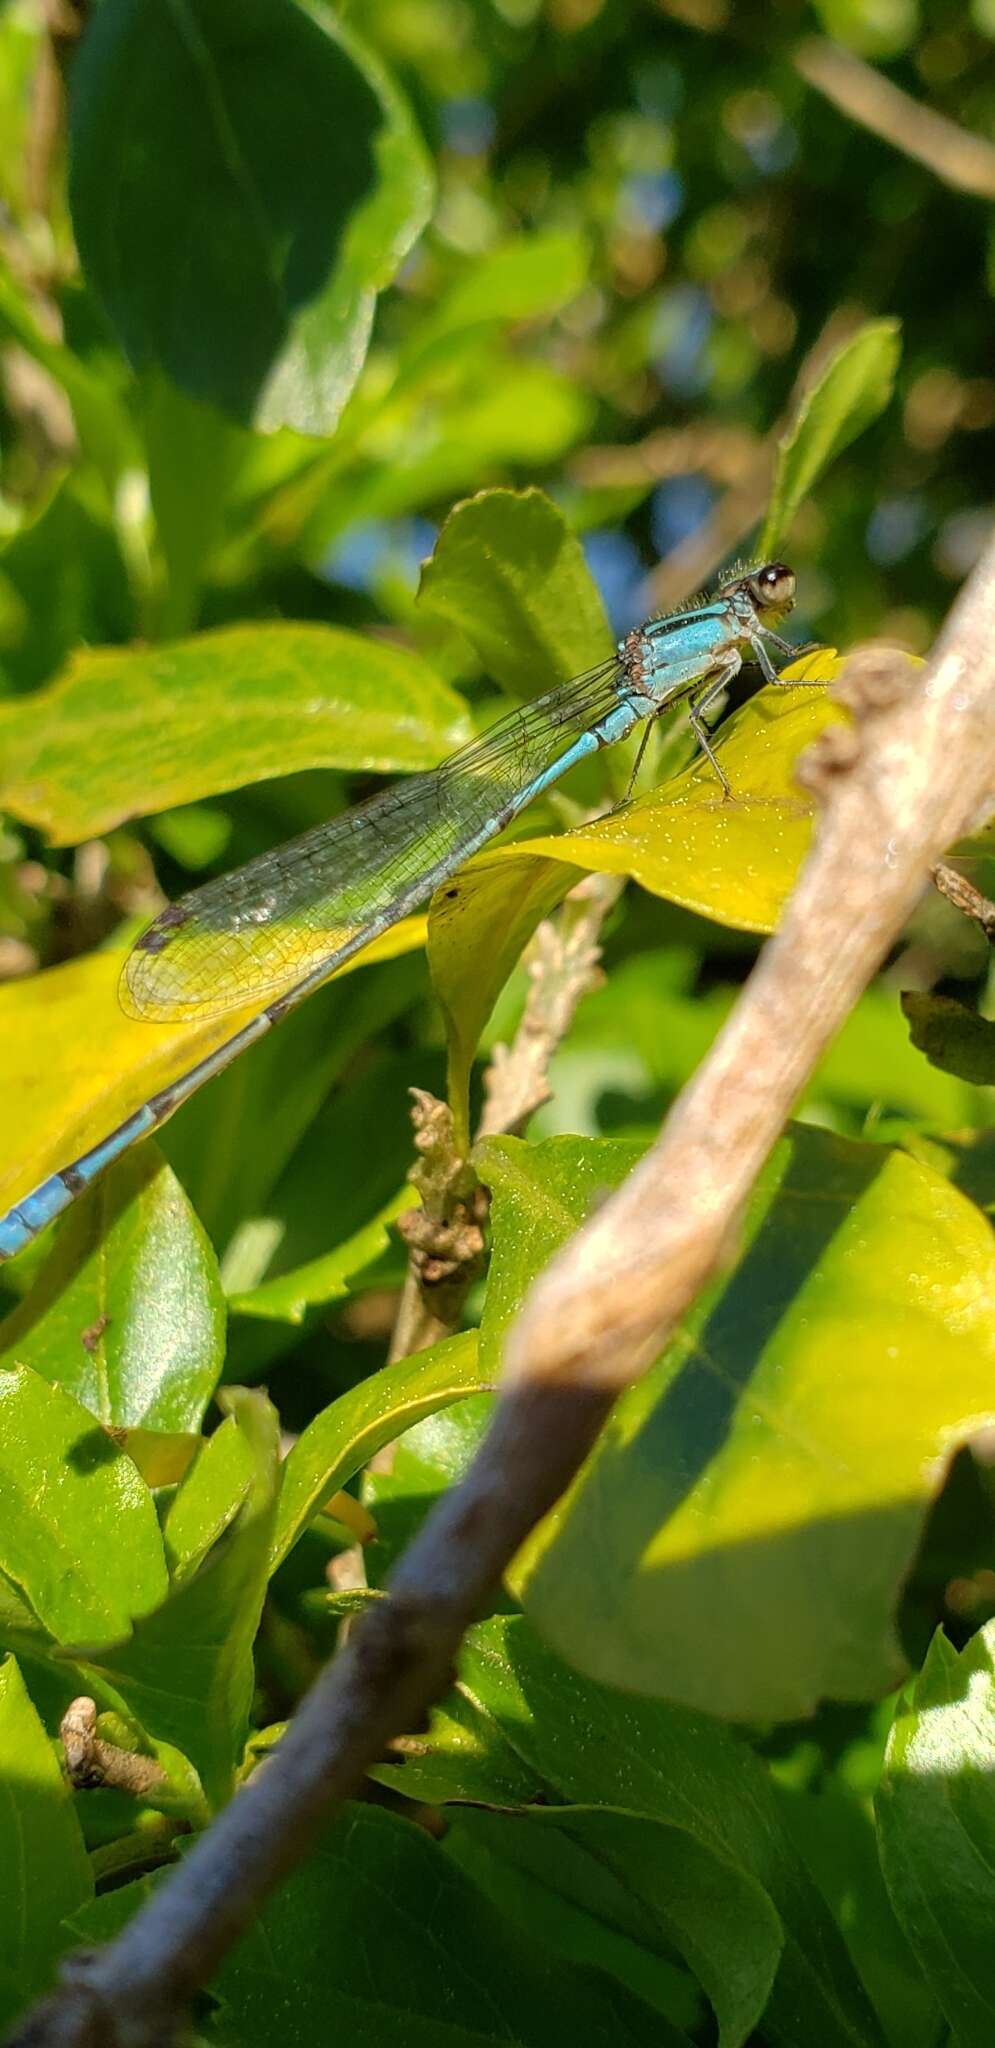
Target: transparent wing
<point>274,922</point>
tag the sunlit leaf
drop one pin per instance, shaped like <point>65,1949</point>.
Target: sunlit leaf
<point>44,1869</point>
<point>342,1437</point>
<point>936,1827</point>
<point>735,859</point>
<point>127,1314</point>
<point>78,1532</point>
<point>128,731</point>
<point>208,1499</point>
<point>510,574</point>
<point>250,274</point>
<point>75,1066</point>
<point>186,1675</point>
<point>853,389</point>
<point>739,1538</point>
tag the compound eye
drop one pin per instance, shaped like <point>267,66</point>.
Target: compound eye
<point>775,584</point>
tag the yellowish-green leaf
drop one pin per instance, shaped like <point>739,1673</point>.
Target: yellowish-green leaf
<point>734,859</point>
<point>75,1066</point>
<point>125,732</point>
<point>851,392</point>
<point>739,1538</point>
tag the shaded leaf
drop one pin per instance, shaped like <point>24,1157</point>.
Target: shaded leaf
<point>952,1037</point>
<point>343,1436</point>
<point>64,582</point>
<point>776,1467</point>
<point>78,1532</point>
<point>540,1878</point>
<point>274,235</point>
<point>683,1817</point>
<point>129,731</point>
<point>127,1314</point>
<point>100,416</point>
<point>76,1066</point>
<point>445,1967</point>
<point>44,1869</point>
<point>186,1676</point>
<point>854,388</point>
<point>936,1829</point>
<point>508,572</point>
<point>288,1296</point>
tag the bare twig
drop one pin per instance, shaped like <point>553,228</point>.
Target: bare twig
<point>90,1761</point>
<point>916,774</point>
<point>563,962</point>
<point>960,159</point>
<point>963,894</point>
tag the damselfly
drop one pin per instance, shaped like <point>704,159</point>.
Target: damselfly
<point>277,928</point>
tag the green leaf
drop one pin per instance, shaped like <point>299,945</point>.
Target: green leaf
<point>125,732</point>
<point>193,454</point>
<point>186,1676</point>
<point>539,1877</point>
<point>739,1538</point>
<point>341,1439</point>
<point>65,575</point>
<point>249,274</point>
<point>79,1532</point>
<point>446,1967</point>
<point>936,1829</point>
<point>479,925</point>
<point>852,390</point>
<point>683,1817</point>
<point>127,1314</point>
<point>834,1833</point>
<point>520,279</point>
<point>508,572</point>
<point>952,1037</point>
<point>287,1297</point>
<point>208,1498</point>
<point>430,1457</point>
<point>44,1868</point>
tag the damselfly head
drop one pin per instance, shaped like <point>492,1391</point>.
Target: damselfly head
<point>770,587</point>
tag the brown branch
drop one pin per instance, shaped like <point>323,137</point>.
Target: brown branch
<point>445,1237</point>
<point>963,894</point>
<point>90,1761</point>
<point>915,774</point>
<point>953,154</point>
